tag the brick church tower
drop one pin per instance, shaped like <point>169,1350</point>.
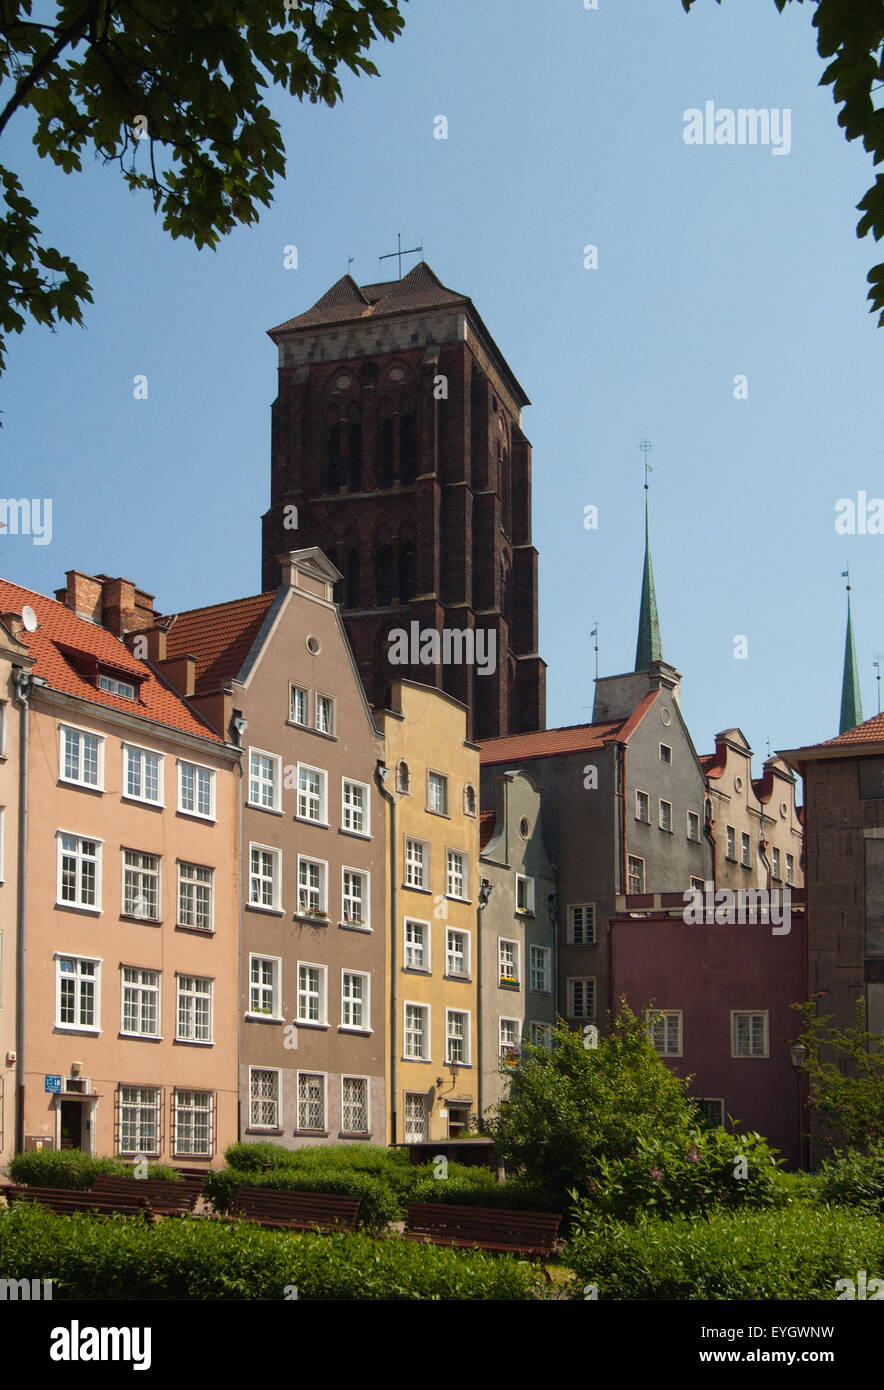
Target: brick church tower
<point>396,435</point>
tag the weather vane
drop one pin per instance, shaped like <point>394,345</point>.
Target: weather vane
<point>646,446</point>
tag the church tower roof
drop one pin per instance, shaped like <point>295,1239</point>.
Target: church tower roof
<point>851,703</point>
<point>649,646</point>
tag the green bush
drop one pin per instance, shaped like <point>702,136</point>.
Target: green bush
<point>854,1179</point>
<point>793,1253</point>
<point>92,1258</point>
<point>518,1194</point>
<point>380,1203</point>
<point>73,1169</point>
<point>366,1158</point>
<point>685,1175</point>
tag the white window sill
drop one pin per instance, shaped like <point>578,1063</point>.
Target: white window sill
<point>143,801</point>
<point>427,1061</point>
<point>356,834</point>
<point>263,1018</point>
<point>269,810</point>
<point>308,820</point>
<point>310,1023</point>
<point>77,1028</point>
<point>196,1042</point>
<point>196,815</point>
<point>143,1037</point>
<point>83,786</point>
<point>351,1028</point>
<point>263,907</point>
<point>355,926</point>
<point>80,907</point>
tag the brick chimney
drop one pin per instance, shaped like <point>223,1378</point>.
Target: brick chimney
<point>113,603</point>
<point>82,595</point>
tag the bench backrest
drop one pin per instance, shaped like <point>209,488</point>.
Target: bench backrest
<point>516,1228</point>
<point>273,1201</point>
<point>183,1193</point>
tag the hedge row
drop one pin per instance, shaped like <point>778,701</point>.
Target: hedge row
<point>99,1258</point>
<point>790,1253</point>
<point>380,1202</point>
<point>73,1169</point>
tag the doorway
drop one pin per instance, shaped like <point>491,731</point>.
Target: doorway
<point>71,1125</point>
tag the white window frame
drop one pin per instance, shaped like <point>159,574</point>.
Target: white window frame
<point>654,1016</point>
<point>467,952</point>
<point>141,754</point>
<point>308,993</point>
<point>97,961</point>
<point>504,1047</point>
<point>407,946</point>
<point>645,820</point>
<point>81,734</point>
<point>461,872</point>
<point>527,911</point>
<point>365,813</point>
<point>544,971</point>
<point>763,1014</point>
<point>730,843</point>
<point>113,685</point>
<point>275,987</point>
<point>274,782</point>
<point>365,876</point>
<point>667,761</point>
<point>467,1059</point>
<point>776,871</point>
<point>183,810</point>
<point>790,869</point>
<point>276,1100</point>
<point>141,987</point>
<point>635,859</point>
<point>693,815</point>
<point>426,1031</point>
<point>193,884</point>
<point>469,794</point>
<point>186,989</point>
<point>443,779</point>
<point>311,1129</point>
<point>663,816</point>
<point>545,1028</point>
<point>515,963</point>
<point>572,929</point>
<point>140,1105</point>
<point>366,1082</point>
<point>745,850</point>
<point>274,878</point>
<point>190,1108</point>
<point>321,796</point>
<point>322,865</point>
<point>365,1025</point>
<point>571,992</point>
<point>295,689</point>
<point>408,1120</point>
<point>141,872</point>
<point>331,731</point>
<point>80,860</point>
<point>424,866</point>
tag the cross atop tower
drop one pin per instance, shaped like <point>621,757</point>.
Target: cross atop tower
<point>399,253</point>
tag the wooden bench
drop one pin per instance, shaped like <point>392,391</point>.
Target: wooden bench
<point>64,1200</point>
<point>163,1193</point>
<point>483,1228</point>
<point>296,1211</point>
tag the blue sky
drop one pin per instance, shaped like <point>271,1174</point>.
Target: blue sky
<point>565,128</point>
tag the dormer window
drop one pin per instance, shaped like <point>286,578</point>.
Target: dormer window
<point>116,687</point>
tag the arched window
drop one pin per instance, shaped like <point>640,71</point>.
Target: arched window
<point>354,460</point>
<point>407,571</point>
<point>403,777</point>
<point>333,455</point>
<point>351,579</point>
<point>469,800</point>
<point>407,450</point>
<point>385,450</point>
<point>506,593</point>
<point>384,576</point>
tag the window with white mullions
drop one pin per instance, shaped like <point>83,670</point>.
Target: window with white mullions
<point>79,860</point>
<point>353,898</point>
<point>354,1000</point>
<point>263,877</point>
<point>311,994</point>
<point>354,1104</point>
<point>194,1009</point>
<point>195,886</point>
<point>264,1111</point>
<point>355,799</point>
<point>76,992</point>
<point>139,1119</point>
<point>193,1123</point>
<point>141,1002</point>
<point>311,1101</point>
<point>81,757</point>
<point>263,985</point>
<point>142,772</point>
<point>141,885</point>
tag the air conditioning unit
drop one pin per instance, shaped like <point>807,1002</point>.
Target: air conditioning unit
<point>75,1085</point>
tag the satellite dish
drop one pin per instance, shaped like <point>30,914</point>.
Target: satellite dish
<point>28,619</point>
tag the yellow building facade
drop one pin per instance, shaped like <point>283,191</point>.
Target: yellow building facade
<point>430,784</point>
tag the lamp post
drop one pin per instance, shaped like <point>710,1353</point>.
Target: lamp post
<point>798,1056</point>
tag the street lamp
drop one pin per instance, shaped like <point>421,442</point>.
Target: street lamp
<point>798,1056</point>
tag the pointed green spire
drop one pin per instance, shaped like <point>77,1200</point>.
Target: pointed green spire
<point>649,647</point>
<point>851,704</point>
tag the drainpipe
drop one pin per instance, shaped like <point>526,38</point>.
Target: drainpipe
<point>382,774</point>
<point>23,689</point>
<point>239,727</point>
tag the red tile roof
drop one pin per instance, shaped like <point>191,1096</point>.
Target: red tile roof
<point>219,637</point>
<point>347,302</point>
<point>710,764</point>
<point>549,743</point>
<point>487,822</point>
<point>872,731</point>
<point>60,631</point>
